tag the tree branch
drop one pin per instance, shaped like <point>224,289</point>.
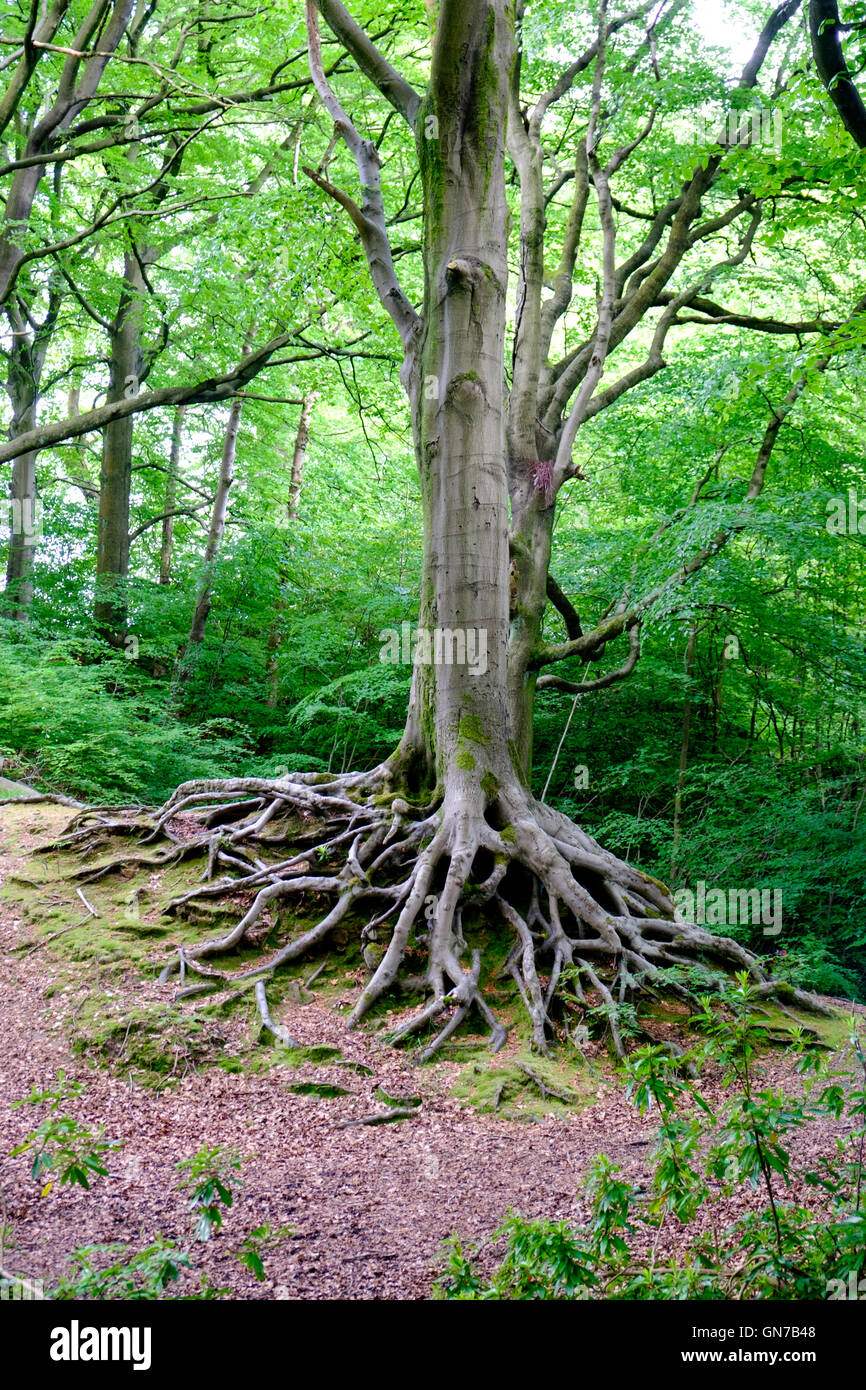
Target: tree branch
<point>217,388</point>
<point>370,217</point>
<point>373,64</point>
<point>824,28</point>
<point>601,682</point>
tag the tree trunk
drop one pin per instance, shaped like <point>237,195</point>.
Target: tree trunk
<point>23,503</point>
<point>127,362</point>
<point>459,730</point>
<point>299,455</point>
<point>26,362</point>
<point>171,481</point>
<point>204,594</point>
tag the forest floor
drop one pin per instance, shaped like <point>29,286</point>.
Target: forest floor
<point>368,1206</point>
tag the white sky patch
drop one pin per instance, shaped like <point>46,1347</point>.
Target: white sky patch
<point>724,25</point>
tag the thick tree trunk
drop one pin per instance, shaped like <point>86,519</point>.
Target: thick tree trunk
<point>459,734</point>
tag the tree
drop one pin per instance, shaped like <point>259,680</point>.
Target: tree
<point>446,831</point>
<point>825,28</point>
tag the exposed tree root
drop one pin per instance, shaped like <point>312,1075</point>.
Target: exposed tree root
<point>583,922</point>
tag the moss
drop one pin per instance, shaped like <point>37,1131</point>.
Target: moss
<point>517,763</point>
<point>154,1048</point>
<point>471,728</point>
<point>325,1090</point>
<point>489,784</point>
<point>390,1098</point>
<point>505,1089</point>
<point>465,761</point>
<point>507,834</point>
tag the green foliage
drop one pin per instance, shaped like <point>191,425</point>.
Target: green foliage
<point>205,1176</point>
<point>109,1272</point>
<point>251,1252</point>
<point>60,1146</point>
<point>780,1250</point>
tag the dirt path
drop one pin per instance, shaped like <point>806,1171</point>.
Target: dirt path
<point>368,1206</point>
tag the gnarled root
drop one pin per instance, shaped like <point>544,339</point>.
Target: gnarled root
<point>583,922</point>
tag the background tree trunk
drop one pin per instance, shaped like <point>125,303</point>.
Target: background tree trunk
<point>299,454</point>
<point>26,363</point>
<point>204,594</point>
<point>171,482</point>
<point>127,364</point>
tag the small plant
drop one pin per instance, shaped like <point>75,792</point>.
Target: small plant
<point>60,1145</point>
<point>147,1274</point>
<point>206,1177</point>
<point>780,1250</point>
<point>262,1238</point>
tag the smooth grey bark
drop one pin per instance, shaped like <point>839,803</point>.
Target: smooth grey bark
<point>127,363</point>
<point>171,482</point>
<point>204,592</point>
<point>26,364</point>
<point>296,478</point>
<point>22,494</point>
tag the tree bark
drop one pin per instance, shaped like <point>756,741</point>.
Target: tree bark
<point>458,734</point>
<point>204,593</point>
<point>299,455</point>
<point>171,481</point>
<point>126,368</point>
<point>26,363</point>
<point>22,495</point>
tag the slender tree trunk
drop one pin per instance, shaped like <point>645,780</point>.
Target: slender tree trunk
<point>78,467</point>
<point>26,361</point>
<point>23,504</point>
<point>127,362</point>
<point>684,741</point>
<point>299,455</point>
<point>172,477</point>
<point>204,594</point>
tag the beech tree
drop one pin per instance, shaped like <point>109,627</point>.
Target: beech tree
<point>446,833</point>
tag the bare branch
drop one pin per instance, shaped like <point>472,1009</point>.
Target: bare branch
<point>218,388</point>
<point>370,217</point>
<point>373,64</point>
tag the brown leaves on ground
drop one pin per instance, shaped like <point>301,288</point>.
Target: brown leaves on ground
<point>369,1205</point>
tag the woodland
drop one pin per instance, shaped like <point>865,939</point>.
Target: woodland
<point>432,642</point>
